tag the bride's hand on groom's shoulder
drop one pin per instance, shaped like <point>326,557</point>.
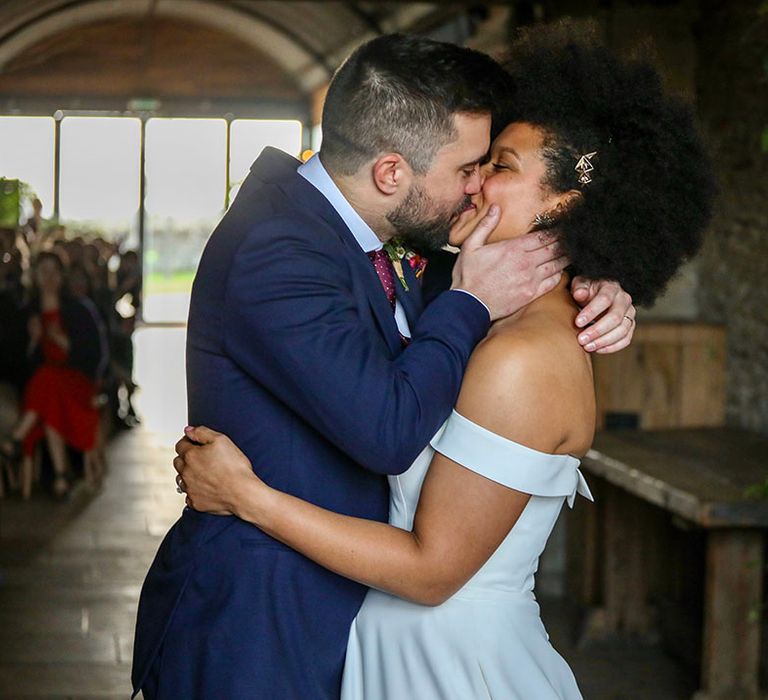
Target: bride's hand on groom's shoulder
<point>212,471</point>
<point>607,315</point>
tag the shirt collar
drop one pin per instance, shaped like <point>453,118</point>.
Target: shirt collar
<point>315,173</point>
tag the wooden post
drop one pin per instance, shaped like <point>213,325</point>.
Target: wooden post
<point>626,572</point>
<point>626,567</point>
<point>732,614</point>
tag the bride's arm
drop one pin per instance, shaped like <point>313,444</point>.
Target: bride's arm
<point>461,520</point>
<point>462,517</point>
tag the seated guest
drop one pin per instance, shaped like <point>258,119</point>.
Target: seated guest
<point>80,287</point>
<point>9,411</point>
<point>127,300</point>
<point>75,248</point>
<point>13,333</point>
<point>13,343</point>
<point>59,400</point>
<point>129,278</point>
<point>62,250</point>
<point>34,229</point>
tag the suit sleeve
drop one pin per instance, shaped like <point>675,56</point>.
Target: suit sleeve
<point>292,323</point>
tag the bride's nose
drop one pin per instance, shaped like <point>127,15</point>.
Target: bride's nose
<point>485,171</point>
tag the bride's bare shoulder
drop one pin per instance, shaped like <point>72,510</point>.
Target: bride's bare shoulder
<point>532,383</point>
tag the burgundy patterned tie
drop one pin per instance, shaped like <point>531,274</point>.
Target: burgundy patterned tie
<point>383,266</point>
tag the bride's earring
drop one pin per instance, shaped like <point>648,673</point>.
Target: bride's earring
<point>543,221</point>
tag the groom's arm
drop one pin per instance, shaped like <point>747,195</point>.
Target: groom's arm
<point>291,322</point>
<point>607,321</point>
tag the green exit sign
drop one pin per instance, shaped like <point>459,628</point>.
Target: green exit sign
<point>144,104</point>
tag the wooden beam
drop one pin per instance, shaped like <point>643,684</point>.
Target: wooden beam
<point>732,614</point>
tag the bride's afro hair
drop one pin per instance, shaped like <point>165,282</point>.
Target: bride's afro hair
<point>650,199</point>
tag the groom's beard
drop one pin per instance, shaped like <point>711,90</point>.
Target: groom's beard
<point>417,222</point>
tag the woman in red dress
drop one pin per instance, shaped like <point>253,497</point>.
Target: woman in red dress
<point>59,400</point>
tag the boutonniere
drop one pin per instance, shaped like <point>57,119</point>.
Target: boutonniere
<point>399,251</point>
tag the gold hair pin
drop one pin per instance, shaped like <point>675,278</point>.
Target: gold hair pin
<point>584,167</point>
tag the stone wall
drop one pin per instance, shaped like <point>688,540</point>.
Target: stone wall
<point>732,97</point>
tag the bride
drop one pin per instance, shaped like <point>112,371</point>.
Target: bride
<point>595,148</point>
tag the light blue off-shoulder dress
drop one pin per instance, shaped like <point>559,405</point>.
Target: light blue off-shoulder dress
<point>487,641</point>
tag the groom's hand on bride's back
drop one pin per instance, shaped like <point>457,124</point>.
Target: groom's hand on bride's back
<point>508,274</point>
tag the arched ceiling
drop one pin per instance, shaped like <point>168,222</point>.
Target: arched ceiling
<point>302,42</point>
<point>160,59</point>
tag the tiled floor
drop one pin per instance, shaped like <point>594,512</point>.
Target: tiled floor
<point>623,672</point>
<point>70,573</point>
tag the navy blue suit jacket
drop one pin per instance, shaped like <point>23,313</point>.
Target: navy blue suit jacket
<point>293,352</point>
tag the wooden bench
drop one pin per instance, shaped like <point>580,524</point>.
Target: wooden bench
<point>704,479</point>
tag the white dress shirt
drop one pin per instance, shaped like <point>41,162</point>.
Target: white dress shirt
<point>314,173</point>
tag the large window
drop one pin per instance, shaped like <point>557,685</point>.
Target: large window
<point>187,164</point>
<point>248,139</point>
<point>186,179</point>
<point>100,176</point>
<point>186,161</point>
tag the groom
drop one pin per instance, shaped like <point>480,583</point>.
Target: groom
<point>309,351</point>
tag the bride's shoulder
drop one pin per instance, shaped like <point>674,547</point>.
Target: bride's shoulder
<point>532,385</point>
<point>525,351</point>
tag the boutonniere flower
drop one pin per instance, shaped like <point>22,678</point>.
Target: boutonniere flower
<point>399,251</point>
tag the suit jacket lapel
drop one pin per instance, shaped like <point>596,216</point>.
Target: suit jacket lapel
<point>308,197</point>
<point>377,298</point>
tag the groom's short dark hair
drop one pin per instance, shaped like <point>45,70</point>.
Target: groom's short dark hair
<point>398,93</point>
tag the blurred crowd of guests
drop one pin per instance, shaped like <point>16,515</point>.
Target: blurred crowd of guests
<point>68,308</point>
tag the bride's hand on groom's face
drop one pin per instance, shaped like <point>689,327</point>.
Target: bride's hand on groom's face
<point>211,471</point>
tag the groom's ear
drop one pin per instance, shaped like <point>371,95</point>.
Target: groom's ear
<point>391,174</point>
